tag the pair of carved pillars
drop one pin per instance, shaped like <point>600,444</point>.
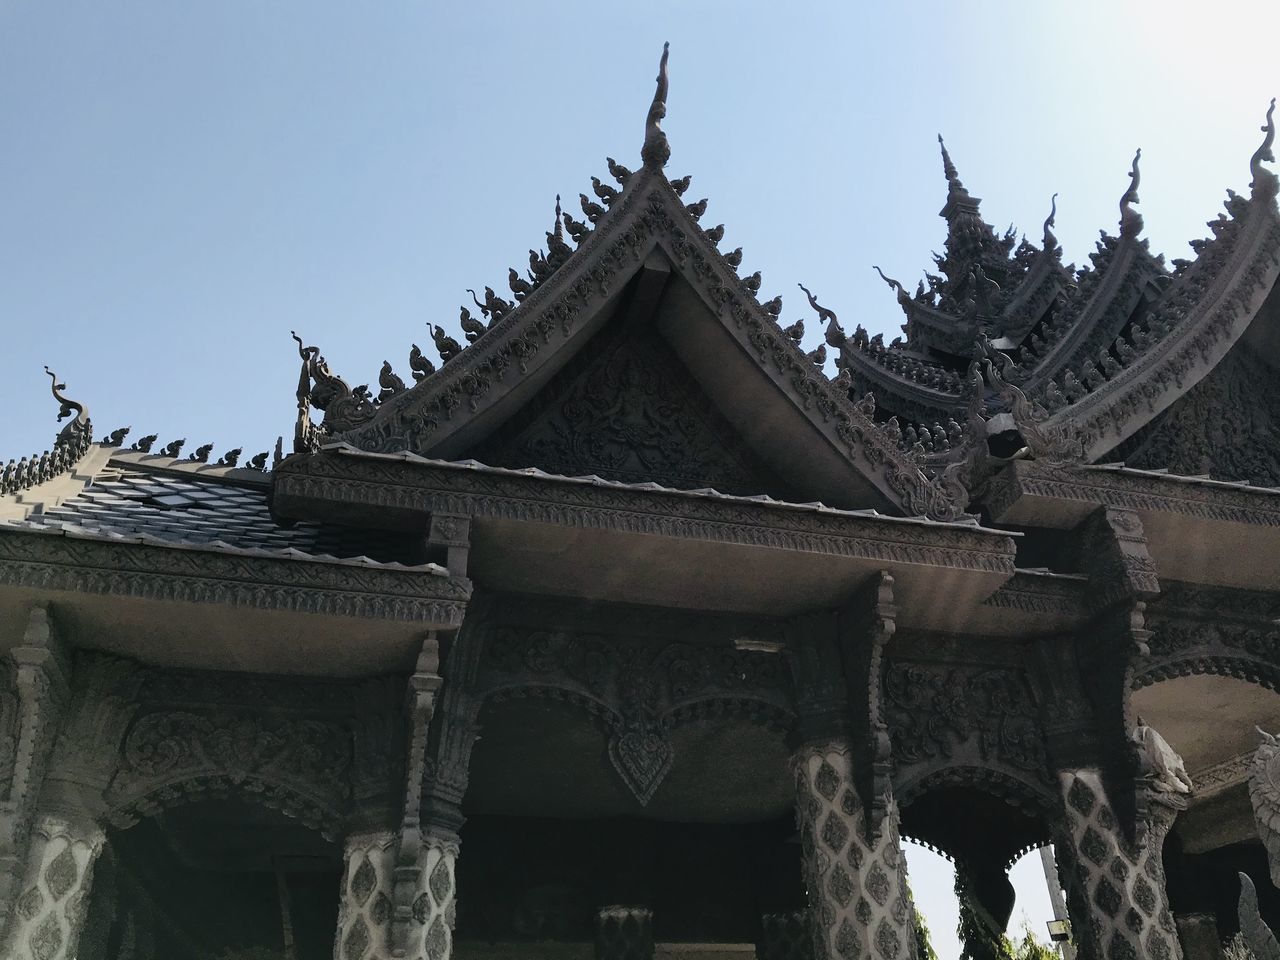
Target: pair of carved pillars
<point>855,872</point>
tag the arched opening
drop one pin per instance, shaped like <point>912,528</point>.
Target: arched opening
<point>554,834</point>
<point>980,823</point>
<point>1211,721</point>
<point>216,878</point>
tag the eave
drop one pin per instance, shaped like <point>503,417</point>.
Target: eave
<point>639,543</point>
<point>1198,530</point>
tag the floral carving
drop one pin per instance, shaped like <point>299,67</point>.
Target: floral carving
<point>299,765</point>
<point>638,691</point>
<point>975,714</point>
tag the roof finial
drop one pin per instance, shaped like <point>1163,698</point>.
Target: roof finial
<point>1050,241</point>
<point>559,219</point>
<point>656,151</point>
<point>68,406</point>
<point>1261,176</point>
<point>949,168</point>
<point>1131,219</point>
<point>904,299</point>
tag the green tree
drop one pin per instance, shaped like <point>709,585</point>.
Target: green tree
<point>1030,948</point>
<point>924,944</point>
<point>977,940</point>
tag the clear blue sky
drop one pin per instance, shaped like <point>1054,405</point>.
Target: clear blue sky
<point>181,184</point>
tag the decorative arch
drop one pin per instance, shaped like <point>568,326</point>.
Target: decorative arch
<point>1248,651</point>
<point>299,767</point>
<point>1014,818</point>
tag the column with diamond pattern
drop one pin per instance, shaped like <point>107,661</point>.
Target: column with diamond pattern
<point>1115,886</point>
<point>859,905</point>
<point>54,894</point>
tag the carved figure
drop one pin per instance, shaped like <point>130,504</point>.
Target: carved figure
<point>1163,769</point>
<point>389,382</point>
<point>1262,942</point>
<point>1264,795</point>
<point>681,185</point>
<point>618,171</point>
<point>419,365</point>
<point>445,344</point>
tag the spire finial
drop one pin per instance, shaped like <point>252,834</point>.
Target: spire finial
<point>949,168</point>
<point>1264,153</point>
<point>656,151</point>
<point>1131,219</point>
<point>559,219</point>
<point>1050,241</point>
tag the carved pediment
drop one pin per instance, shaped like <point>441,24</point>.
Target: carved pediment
<point>627,409</point>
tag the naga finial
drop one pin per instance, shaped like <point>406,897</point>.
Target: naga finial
<point>1264,153</point>
<point>656,151</point>
<point>904,299</point>
<point>1050,241</point>
<point>79,431</point>
<point>68,406</point>
<point>1131,219</point>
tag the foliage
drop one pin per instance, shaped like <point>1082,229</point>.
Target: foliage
<point>924,943</point>
<point>976,939</point>
<point>1030,948</point>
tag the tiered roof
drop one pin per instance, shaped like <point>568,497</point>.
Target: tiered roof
<point>1002,341</point>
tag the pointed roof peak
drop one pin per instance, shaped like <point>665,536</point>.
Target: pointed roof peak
<point>656,151</point>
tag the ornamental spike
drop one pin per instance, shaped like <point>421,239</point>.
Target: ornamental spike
<point>1050,241</point>
<point>949,169</point>
<point>1130,219</point>
<point>656,151</point>
<point>1263,177</point>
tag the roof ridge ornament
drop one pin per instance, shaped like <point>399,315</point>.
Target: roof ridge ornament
<point>1131,219</point>
<point>1050,241</point>
<point>904,298</point>
<point>656,151</point>
<point>1264,181</point>
<point>67,407</point>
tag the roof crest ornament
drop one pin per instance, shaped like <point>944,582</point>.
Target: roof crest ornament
<point>68,406</point>
<point>834,333</point>
<point>1131,219</point>
<point>904,298</point>
<point>1050,241</point>
<point>656,151</point>
<point>1265,180</point>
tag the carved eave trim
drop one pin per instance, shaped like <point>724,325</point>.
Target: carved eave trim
<point>1120,407</point>
<point>408,485</point>
<point>940,330</point>
<point>1222,776</point>
<point>1042,592</point>
<point>891,390</point>
<point>1081,489</point>
<point>648,214</point>
<point>1125,274</point>
<point>52,561</point>
<point>1045,279</point>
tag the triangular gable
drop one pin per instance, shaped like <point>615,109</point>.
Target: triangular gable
<point>625,408</point>
<point>648,257</point>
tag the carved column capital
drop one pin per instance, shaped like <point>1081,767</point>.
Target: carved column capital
<point>624,932</point>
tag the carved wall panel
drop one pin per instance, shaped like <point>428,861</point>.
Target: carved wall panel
<point>638,691</point>
<point>945,720</point>
<point>8,728</point>
<point>627,409</point>
<point>1203,630</point>
<point>1226,426</point>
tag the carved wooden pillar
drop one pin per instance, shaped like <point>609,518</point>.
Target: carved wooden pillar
<point>859,902</point>
<point>624,933</point>
<point>49,911</point>
<point>39,671</point>
<point>364,902</point>
<point>785,936</point>
<point>859,905</point>
<point>1115,884</point>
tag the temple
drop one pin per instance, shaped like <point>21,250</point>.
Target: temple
<point>626,627</point>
